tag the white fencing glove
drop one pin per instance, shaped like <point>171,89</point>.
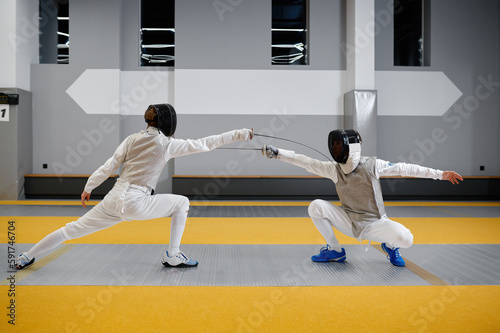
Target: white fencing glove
<point>270,151</point>
<point>243,134</point>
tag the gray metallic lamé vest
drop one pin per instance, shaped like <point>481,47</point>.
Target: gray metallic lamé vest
<point>360,194</point>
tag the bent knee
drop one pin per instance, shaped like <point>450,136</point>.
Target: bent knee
<point>405,240</point>
<point>183,204</point>
<point>316,208</point>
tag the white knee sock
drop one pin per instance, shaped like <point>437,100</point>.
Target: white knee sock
<point>49,242</point>
<point>325,228</point>
<point>177,226</point>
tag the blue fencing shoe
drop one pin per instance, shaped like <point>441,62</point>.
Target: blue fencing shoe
<point>178,260</point>
<point>325,254</point>
<point>393,255</point>
<point>24,261</point>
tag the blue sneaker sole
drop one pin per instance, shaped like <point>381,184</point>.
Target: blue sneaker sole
<point>329,260</point>
<point>398,264</point>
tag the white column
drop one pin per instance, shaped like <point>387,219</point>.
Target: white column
<point>360,101</point>
<point>7,40</point>
<point>360,44</point>
<point>19,40</point>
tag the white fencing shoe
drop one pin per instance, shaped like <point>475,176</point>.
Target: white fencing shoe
<point>178,260</point>
<point>24,261</point>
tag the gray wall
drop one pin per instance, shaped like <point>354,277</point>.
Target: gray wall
<point>240,39</point>
<point>16,151</point>
<point>66,138</point>
<point>464,45</point>
<point>104,35</point>
<point>59,134</point>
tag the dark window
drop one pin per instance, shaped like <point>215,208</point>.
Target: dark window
<point>411,33</point>
<point>63,33</point>
<point>54,31</point>
<point>157,32</point>
<point>289,32</point>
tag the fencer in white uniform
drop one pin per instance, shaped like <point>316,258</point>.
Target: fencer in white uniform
<point>362,214</point>
<point>142,156</point>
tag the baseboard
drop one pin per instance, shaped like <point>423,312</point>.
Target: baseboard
<point>63,187</point>
<point>307,187</point>
<point>271,188</point>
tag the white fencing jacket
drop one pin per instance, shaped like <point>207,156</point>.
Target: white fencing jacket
<point>145,154</point>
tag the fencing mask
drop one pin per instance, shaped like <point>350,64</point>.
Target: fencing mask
<point>162,116</point>
<point>345,148</point>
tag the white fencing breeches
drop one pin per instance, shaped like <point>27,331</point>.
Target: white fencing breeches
<point>326,215</point>
<point>122,203</point>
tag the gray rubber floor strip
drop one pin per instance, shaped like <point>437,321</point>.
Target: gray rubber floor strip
<point>262,265</point>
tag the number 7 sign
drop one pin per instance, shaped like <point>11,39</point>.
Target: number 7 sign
<point>4,112</point>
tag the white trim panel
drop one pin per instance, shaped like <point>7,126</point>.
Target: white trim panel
<point>259,92</point>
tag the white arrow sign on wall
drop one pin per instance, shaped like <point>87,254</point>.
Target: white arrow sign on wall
<point>109,91</point>
<point>97,91</point>
<point>414,93</point>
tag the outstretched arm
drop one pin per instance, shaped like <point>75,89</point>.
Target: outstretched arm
<point>452,176</point>
<point>385,168</point>
<point>179,147</point>
<point>317,167</point>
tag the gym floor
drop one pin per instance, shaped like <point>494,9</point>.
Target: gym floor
<point>255,272</point>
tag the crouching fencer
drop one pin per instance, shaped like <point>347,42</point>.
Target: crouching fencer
<point>143,156</point>
<point>362,214</point>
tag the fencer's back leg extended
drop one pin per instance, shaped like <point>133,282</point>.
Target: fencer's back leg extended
<point>49,242</point>
<point>94,220</point>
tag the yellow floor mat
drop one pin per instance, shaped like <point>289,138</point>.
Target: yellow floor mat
<point>202,230</point>
<point>253,309</point>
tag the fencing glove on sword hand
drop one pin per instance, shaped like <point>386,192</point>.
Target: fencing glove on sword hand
<point>243,134</point>
<point>270,151</point>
